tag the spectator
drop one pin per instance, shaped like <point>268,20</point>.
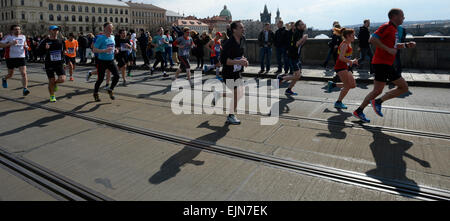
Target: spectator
<point>83,43</point>
<point>281,45</point>
<point>333,44</point>
<point>364,46</point>
<point>143,43</point>
<point>265,40</point>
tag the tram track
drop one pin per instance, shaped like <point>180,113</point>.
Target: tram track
<point>344,124</point>
<point>329,173</point>
<point>56,185</point>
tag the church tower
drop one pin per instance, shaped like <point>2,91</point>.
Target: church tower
<point>266,17</point>
<point>278,18</point>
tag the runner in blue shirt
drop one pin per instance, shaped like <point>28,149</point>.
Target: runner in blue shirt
<point>105,47</point>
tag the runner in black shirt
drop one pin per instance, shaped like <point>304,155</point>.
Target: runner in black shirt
<point>233,60</point>
<point>53,48</point>
<point>296,41</point>
<point>123,45</point>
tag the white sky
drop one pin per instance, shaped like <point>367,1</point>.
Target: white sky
<point>316,13</point>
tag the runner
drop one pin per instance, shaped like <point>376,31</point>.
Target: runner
<point>386,41</point>
<point>233,60</point>
<point>184,44</point>
<point>131,54</point>
<point>71,54</point>
<point>90,73</point>
<point>54,50</point>
<point>15,46</point>
<point>105,47</point>
<point>297,40</point>
<point>124,47</point>
<point>344,66</point>
<point>158,42</point>
<point>215,46</point>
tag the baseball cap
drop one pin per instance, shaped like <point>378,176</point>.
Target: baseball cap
<point>53,27</point>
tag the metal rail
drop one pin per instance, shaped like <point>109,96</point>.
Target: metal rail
<point>338,175</point>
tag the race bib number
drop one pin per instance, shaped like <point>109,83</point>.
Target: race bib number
<point>123,47</point>
<point>71,50</point>
<point>217,48</point>
<point>109,46</point>
<point>185,53</point>
<point>55,56</point>
<point>19,41</point>
<point>237,68</point>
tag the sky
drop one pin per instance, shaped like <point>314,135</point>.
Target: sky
<point>318,14</point>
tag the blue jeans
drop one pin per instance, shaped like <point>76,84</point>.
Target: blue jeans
<point>168,53</point>
<point>265,52</point>
<point>282,53</point>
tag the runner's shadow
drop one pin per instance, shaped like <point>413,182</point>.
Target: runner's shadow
<point>162,91</point>
<point>336,125</point>
<point>282,104</point>
<point>44,122</point>
<point>388,152</point>
<point>171,167</point>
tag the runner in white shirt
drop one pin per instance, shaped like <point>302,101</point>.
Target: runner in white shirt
<point>15,45</point>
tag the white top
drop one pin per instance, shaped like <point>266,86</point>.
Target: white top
<point>15,51</point>
<point>133,37</point>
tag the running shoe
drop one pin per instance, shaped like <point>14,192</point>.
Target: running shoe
<point>53,99</point>
<point>377,108</point>
<point>231,119</point>
<point>290,92</point>
<point>96,98</point>
<point>361,116</point>
<point>151,71</point>
<point>124,83</point>
<point>340,105</point>
<point>165,75</point>
<point>330,86</point>
<point>26,92</point>
<point>111,94</point>
<point>219,78</point>
<point>71,78</point>
<point>88,76</point>
<point>4,83</point>
<point>106,87</point>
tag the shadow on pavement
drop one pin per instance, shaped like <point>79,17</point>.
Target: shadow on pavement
<point>172,166</point>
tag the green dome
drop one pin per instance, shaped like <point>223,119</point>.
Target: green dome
<point>225,12</point>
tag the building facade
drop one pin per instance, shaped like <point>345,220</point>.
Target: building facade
<point>194,25</point>
<point>35,16</point>
<point>146,16</point>
<point>172,16</point>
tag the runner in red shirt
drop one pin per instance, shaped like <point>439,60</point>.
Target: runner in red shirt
<point>386,41</point>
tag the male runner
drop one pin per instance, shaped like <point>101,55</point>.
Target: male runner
<point>105,47</point>
<point>54,50</point>
<point>386,40</point>
<point>15,45</point>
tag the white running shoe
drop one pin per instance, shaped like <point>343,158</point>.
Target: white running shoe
<point>233,120</point>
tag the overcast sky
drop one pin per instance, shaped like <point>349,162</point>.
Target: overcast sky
<point>318,13</point>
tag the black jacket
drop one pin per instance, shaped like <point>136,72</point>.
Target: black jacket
<point>281,38</point>
<point>83,42</point>
<point>363,37</point>
<point>261,39</point>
